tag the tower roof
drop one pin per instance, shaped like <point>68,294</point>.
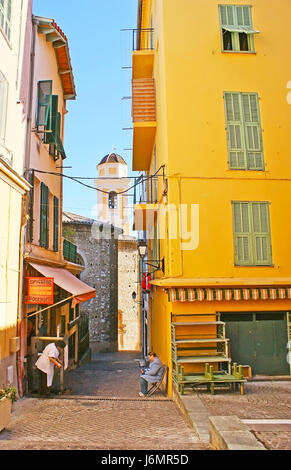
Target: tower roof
<point>112,158</point>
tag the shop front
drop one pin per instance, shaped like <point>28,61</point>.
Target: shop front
<point>48,322</point>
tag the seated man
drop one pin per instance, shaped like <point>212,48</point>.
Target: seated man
<point>151,374</point>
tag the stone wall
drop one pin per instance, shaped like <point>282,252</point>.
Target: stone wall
<point>128,310</point>
<point>97,245</point>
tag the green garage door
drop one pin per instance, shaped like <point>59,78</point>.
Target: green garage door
<point>258,339</point>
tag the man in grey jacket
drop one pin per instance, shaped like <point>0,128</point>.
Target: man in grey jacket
<point>151,374</point>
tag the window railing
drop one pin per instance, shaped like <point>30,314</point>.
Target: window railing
<point>143,39</point>
<point>146,190</point>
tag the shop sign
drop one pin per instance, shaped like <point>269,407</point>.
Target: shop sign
<point>40,290</point>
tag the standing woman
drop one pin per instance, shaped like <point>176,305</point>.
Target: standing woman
<point>46,364</point>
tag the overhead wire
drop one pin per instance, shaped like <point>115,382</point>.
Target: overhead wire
<point>77,180</point>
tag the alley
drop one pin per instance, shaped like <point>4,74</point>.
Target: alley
<point>103,412</point>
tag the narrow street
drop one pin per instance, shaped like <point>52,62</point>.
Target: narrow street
<point>103,412</point>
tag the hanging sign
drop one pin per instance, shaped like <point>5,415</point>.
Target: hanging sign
<point>40,290</point>
<point>146,282</point>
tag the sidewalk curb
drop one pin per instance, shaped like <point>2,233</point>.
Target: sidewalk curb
<point>195,413</point>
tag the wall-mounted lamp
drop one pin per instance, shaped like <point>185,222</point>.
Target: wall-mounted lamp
<point>158,264</point>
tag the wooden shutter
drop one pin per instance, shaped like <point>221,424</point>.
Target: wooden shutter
<point>56,224</point>
<point>242,233</point>
<point>44,112</point>
<point>44,215</point>
<point>261,233</point>
<point>227,15</point>
<point>51,137</point>
<point>235,132</point>
<point>243,16</point>
<point>8,19</point>
<point>253,132</point>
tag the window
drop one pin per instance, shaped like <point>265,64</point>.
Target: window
<point>44,216</point>
<point>48,121</point>
<point>3,104</point>
<point>252,238</point>
<point>56,224</point>
<point>236,28</point>
<point>5,17</point>
<point>112,200</point>
<point>244,133</point>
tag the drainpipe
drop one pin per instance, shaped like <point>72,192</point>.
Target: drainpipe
<point>19,333</point>
<point>30,97</point>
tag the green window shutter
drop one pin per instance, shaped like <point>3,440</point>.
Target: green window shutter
<point>44,216</point>
<point>51,137</point>
<point>252,235</point>
<point>59,146</point>
<point>44,111</point>
<point>56,224</point>
<point>243,16</point>
<point>235,132</point>
<point>253,132</point>
<point>242,233</point>
<point>245,144</point>
<point>261,233</point>
<point>227,15</point>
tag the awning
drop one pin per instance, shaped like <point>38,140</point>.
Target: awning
<point>210,295</point>
<point>68,282</point>
<point>240,29</point>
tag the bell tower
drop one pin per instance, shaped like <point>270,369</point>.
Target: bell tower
<point>112,200</point>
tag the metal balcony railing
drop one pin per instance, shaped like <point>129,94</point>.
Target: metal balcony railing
<point>146,190</point>
<point>143,39</point>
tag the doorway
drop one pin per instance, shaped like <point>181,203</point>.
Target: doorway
<point>258,339</point>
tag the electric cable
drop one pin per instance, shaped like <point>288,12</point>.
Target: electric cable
<point>76,179</point>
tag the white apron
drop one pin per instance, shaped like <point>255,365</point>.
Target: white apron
<point>45,365</point>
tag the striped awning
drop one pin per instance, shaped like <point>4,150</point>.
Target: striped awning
<point>212,294</point>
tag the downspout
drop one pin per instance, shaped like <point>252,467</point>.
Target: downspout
<point>24,220</point>
<point>30,98</point>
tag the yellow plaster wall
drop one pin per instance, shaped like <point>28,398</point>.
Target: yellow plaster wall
<point>191,75</point>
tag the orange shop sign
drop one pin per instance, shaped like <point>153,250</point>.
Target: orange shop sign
<point>40,290</point>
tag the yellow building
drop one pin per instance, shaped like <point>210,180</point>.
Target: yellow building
<point>211,116</point>
<point>13,187</point>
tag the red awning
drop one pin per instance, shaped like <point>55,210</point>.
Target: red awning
<point>68,282</point>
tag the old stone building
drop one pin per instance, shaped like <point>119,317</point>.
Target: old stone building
<point>97,250</point>
<point>129,338</point>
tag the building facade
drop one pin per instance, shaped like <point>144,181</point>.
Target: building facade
<point>14,28</point>
<point>218,135</point>
<point>46,254</point>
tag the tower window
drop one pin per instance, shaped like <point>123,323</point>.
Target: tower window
<point>112,200</point>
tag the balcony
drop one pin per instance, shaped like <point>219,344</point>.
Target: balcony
<point>144,122</point>
<point>143,39</point>
<point>143,53</point>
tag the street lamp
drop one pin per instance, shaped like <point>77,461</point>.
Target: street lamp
<point>142,249</point>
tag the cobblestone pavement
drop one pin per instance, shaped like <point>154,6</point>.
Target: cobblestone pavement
<point>103,412</point>
<point>262,400</point>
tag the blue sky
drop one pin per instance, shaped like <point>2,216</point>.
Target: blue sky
<point>98,51</point>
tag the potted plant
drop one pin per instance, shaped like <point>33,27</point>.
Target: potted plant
<point>7,397</point>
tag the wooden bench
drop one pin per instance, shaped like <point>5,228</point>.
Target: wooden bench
<point>210,379</point>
